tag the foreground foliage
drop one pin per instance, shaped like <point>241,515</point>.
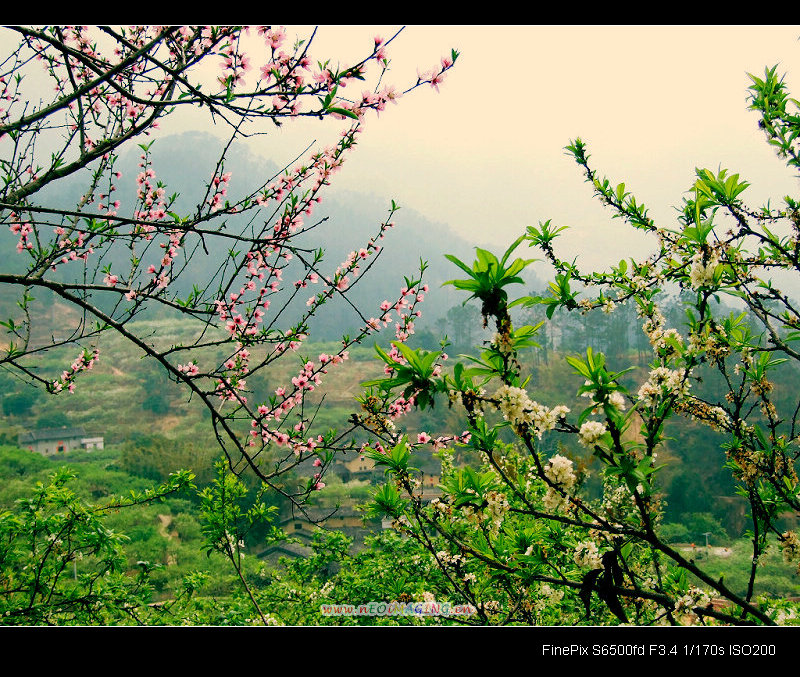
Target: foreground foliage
<point>519,532</point>
<point>45,538</point>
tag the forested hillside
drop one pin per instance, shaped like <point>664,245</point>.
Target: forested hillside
<point>161,430</point>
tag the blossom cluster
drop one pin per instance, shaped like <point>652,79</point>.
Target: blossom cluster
<point>618,504</point>
<point>703,268</point>
<point>472,400</point>
<point>559,470</point>
<point>587,555</point>
<point>522,412</point>
<point>663,382</point>
<point>309,377</point>
<point>790,545</point>
<point>590,432</point>
<point>549,597</point>
<point>84,362</point>
<point>695,597</point>
<point>614,399</point>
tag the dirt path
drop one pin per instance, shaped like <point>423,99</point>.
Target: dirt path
<point>166,520</point>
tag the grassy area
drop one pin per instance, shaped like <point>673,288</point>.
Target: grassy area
<point>732,563</point>
<point>125,394</point>
<point>166,533</point>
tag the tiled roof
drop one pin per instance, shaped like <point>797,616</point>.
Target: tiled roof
<point>44,434</point>
<point>290,549</point>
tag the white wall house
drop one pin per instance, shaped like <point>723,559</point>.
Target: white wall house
<point>51,441</point>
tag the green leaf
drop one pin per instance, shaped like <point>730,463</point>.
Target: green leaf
<point>344,111</point>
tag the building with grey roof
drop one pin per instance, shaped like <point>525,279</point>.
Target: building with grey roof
<point>52,441</point>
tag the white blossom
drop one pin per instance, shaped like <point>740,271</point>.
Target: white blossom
<point>554,501</point>
<point>663,381</point>
<point>694,598</point>
<point>559,471</point>
<point>617,400</point>
<point>702,272</point>
<point>590,432</point>
<point>790,544</point>
<point>521,411</point>
<point>587,555</point>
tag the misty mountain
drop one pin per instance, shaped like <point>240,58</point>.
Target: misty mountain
<point>185,163</point>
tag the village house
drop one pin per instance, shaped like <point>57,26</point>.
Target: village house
<point>51,441</point>
<point>346,517</point>
<point>358,466</point>
<point>302,528</point>
<point>361,466</point>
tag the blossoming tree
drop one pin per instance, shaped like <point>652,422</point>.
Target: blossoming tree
<point>112,262</point>
<point>519,538</point>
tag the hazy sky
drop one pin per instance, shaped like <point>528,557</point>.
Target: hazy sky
<point>485,155</point>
